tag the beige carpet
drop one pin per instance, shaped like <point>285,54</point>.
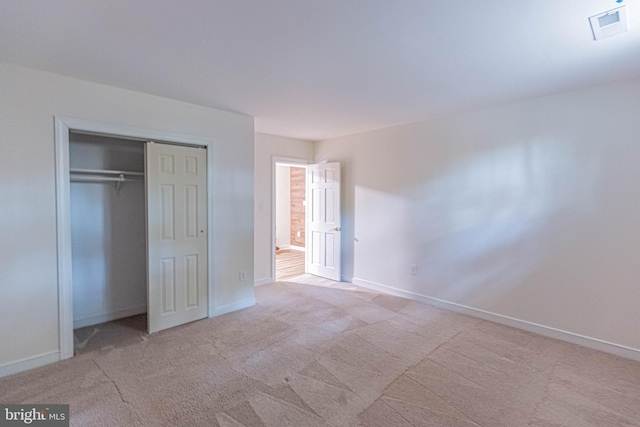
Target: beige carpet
<point>319,356</point>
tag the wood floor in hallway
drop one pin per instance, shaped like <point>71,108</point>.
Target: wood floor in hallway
<point>289,263</point>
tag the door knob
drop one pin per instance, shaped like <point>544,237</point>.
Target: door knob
<point>336,228</point>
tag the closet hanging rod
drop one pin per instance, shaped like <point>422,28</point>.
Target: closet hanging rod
<point>101,179</point>
<point>103,172</point>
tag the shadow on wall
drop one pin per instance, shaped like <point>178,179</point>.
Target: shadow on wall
<point>475,228</point>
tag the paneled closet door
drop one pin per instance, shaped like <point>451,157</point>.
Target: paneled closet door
<point>176,178</point>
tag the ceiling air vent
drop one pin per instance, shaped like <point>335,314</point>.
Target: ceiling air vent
<point>610,23</point>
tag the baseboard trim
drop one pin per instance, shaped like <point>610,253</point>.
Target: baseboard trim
<point>224,309</point>
<point>261,282</point>
<point>291,248</point>
<point>94,320</point>
<point>28,363</point>
<point>547,331</point>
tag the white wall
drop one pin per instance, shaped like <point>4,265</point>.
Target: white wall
<point>29,99</point>
<point>528,210</point>
<point>266,147</point>
<point>283,206</point>
<point>107,232</point>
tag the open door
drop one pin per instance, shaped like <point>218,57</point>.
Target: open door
<point>176,235</point>
<point>323,220</point>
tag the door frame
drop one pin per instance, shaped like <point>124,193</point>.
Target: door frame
<point>285,161</point>
<point>63,125</point>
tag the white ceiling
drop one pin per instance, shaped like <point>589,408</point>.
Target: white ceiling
<point>315,69</point>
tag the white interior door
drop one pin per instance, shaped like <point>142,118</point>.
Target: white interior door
<point>176,234</point>
<point>323,219</point>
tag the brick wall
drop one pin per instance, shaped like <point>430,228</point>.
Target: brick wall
<point>298,176</point>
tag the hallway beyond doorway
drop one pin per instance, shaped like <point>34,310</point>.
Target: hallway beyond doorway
<point>289,263</point>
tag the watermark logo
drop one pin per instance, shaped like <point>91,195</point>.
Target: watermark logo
<point>34,415</point>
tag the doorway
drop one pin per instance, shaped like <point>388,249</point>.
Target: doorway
<point>322,217</point>
<point>290,220</point>
<point>178,198</point>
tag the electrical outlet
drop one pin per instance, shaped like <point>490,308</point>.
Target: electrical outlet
<point>298,234</point>
<point>243,275</point>
<point>413,269</point>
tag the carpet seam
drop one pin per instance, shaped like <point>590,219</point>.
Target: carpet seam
<point>405,371</point>
<point>447,402</point>
<point>120,395</point>
<point>478,362</point>
<point>456,373</point>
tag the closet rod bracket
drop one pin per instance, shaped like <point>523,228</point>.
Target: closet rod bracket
<point>119,182</point>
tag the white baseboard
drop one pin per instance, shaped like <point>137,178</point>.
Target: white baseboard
<point>260,282</point>
<point>218,311</point>
<point>29,363</point>
<point>547,331</point>
<point>108,317</point>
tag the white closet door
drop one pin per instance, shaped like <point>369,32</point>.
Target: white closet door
<point>176,234</point>
<point>323,217</point>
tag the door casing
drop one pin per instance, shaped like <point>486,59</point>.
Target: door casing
<point>63,125</point>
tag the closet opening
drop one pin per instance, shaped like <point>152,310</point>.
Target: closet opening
<point>133,234</point>
<point>108,238</point>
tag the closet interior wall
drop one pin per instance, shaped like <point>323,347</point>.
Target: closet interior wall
<point>108,232</point>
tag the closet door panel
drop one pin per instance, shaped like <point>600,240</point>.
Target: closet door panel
<point>191,211</point>
<point>167,212</point>
<point>176,231</point>
<point>168,285</point>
